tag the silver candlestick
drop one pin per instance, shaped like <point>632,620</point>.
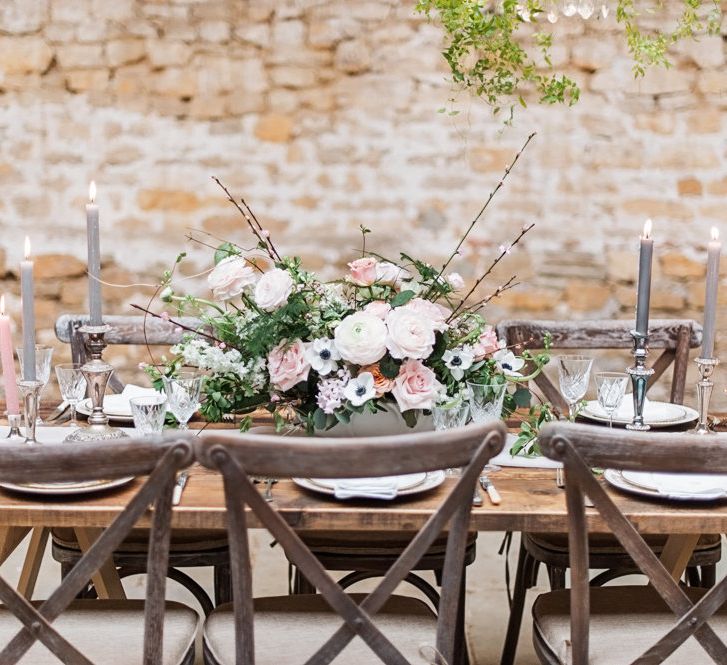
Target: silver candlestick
<point>639,380</point>
<point>30,391</point>
<point>704,392</point>
<point>14,420</point>
<point>97,373</point>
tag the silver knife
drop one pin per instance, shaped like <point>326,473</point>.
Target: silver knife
<point>179,487</point>
<point>58,411</point>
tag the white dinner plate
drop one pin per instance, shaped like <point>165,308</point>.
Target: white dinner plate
<point>656,414</point>
<point>429,481</point>
<point>678,487</point>
<point>84,408</point>
<point>81,487</point>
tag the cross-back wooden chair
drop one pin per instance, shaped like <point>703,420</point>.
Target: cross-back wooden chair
<point>61,629</point>
<point>674,338</point>
<point>627,624</point>
<point>291,628</point>
<point>189,548</point>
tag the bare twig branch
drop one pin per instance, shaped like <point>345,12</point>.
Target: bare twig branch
<point>179,324</point>
<point>509,284</point>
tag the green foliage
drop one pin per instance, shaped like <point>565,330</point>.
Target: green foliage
<point>486,51</point>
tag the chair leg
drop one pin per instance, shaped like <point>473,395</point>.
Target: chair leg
<point>222,584</point>
<point>300,584</point>
<point>692,576</point>
<point>525,578</point>
<point>709,575</point>
<point>460,639</point>
<point>556,577</point>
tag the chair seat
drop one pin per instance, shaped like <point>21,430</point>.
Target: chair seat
<point>373,543</point>
<point>112,632</point>
<point>625,622</point>
<point>289,629</point>
<point>182,540</point>
<point>606,543</point>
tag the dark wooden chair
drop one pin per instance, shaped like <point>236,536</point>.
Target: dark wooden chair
<point>188,548</point>
<point>674,338</point>
<point>62,629</point>
<point>289,629</point>
<point>627,624</point>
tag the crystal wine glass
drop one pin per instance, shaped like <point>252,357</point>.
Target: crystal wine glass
<point>72,385</point>
<point>183,395</point>
<point>149,412</point>
<point>573,374</point>
<point>449,415</point>
<point>486,400</point>
<point>611,387</point>
<point>43,364</point>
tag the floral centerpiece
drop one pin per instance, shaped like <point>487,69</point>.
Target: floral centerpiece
<point>387,333</point>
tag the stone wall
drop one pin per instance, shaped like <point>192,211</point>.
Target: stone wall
<point>323,113</point>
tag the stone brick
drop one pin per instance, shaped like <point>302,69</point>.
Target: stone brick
<point>22,16</point>
<point>705,52</point>
<point>705,121</point>
<point>80,56</point>
<point>657,208</point>
<point>24,55</point>
<point>676,264</point>
<point>329,32</point>
<point>353,56</point>
<point>56,266</point>
<point>214,31</point>
<point>168,200</point>
<point>84,80</point>
<point>274,127</point>
<point>125,51</point>
<point>718,187</point>
<point>689,187</point>
<point>293,77</point>
<point>175,82</point>
<point>587,296</point>
<point>593,54</point>
<point>73,11</point>
<point>167,53</point>
<point>712,82</point>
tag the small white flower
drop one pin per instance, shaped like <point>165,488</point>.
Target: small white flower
<point>508,363</point>
<point>458,361</point>
<point>360,389</point>
<point>322,355</point>
<point>455,280</point>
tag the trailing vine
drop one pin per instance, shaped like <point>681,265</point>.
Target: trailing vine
<point>488,54</point>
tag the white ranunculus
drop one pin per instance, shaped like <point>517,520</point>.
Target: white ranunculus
<point>361,338</point>
<point>410,335</point>
<point>230,276</point>
<point>273,289</point>
<point>360,389</point>
<point>390,274</point>
<point>432,311</point>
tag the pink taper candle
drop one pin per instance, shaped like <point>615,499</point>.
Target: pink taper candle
<point>8,362</point>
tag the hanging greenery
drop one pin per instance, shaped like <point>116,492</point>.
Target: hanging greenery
<point>487,55</point>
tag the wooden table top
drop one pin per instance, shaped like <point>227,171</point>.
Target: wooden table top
<point>530,502</point>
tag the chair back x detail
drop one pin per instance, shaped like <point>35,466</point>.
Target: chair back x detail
<point>157,458</point>
<point>238,458</point>
<point>675,336</point>
<point>583,447</point>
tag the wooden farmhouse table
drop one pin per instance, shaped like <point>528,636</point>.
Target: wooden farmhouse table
<point>531,501</point>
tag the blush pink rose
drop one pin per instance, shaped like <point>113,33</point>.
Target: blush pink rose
<point>432,311</point>
<point>287,365</point>
<point>363,271</point>
<point>378,308</point>
<point>486,344</point>
<point>416,386</point>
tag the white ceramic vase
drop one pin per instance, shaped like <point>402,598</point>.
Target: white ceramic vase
<point>380,423</point>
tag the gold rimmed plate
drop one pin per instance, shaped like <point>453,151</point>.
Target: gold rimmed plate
<point>431,480</point>
<point>67,489</point>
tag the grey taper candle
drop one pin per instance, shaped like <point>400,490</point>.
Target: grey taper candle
<point>28,302</point>
<point>94,258</point>
<point>710,298</point>
<point>644,287</point>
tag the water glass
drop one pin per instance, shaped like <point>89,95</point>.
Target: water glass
<point>450,415</point>
<point>72,385</point>
<point>43,364</point>
<point>486,401</point>
<point>574,373</point>
<point>611,387</point>
<point>183,395</point>
<point>149,413</point>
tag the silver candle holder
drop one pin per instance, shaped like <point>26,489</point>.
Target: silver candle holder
<point>97,373</point>
<point>640,375</point>
<point>14,421</point>
<point>30,392</point>
<point>704,393</point>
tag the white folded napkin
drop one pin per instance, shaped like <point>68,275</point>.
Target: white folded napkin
<point>370,490</point>
<point>686,484</point>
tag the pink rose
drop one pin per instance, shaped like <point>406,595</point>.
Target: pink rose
<point>410,335</point>
<point>230,277</point>
<point>432,311</point>
<point>486,344</point>
<point>363,271</point>
<point>287,365</point>
<point>378,308</point>
<point>416,386</point>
